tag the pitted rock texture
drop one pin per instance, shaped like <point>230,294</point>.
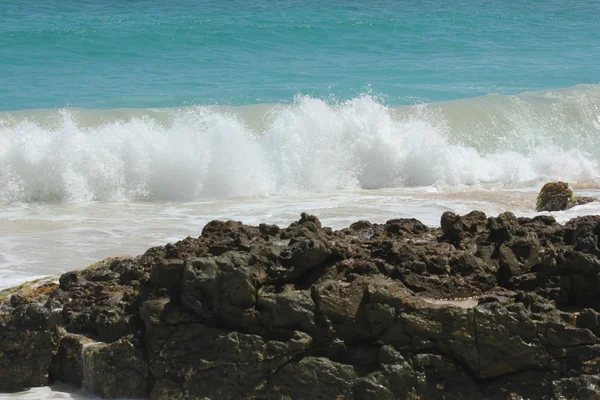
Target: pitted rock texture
<point>482,308</point>
<point>557,196</point>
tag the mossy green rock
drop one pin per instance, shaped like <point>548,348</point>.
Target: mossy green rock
<point>557,196</point>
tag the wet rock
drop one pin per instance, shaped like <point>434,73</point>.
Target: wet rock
<point>57,300</point>
<point>71,280</point>
<point>104,312</point>
<point>312,378</point>
<point>437,377</point>
<point>476,222</point>
<point>28,342</point>
<point>588,319</point>
<point>129,270</point>
<point>581,387</point>
<point>116,370</point>
<point>25,359</point>
<point>373,386</point>
<point>361,225</point>
<point>214,363</point>
<point>557,196</point>
<point>398,374</point>
<point>509,265</point>
<point>563,336</point>
<point>304,255</point>
<point>485,307</point>
<point>554,196</point>
<point>306,218</point>
<point>17,300</point>
<point>506,341</point>
<point>466,264</point>
<point>405,226</point>
<point>68,363</point>
<point>452,227</point>
<point>268,229</point>
<point>166,390</point>
<point>32,317</point>
<point>502,228</point>
<point>168,274</point>
<point>583,233</point>
<point>221,285</point>
<point>456,229</point>
<point>579,200</point>
<point>290,309</point>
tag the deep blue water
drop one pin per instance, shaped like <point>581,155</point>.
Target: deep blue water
<point>150,53</point>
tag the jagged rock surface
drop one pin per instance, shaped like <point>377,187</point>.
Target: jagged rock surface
<point>483,308</point>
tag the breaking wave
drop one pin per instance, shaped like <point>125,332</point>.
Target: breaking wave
<point>74,155</point>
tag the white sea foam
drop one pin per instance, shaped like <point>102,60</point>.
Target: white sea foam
<point>55,392</point>
<point>308,146</point>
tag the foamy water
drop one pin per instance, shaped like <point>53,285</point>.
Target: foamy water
<point>77,186</point>
<point>45,239</point>
<point>311,146</point>
<point>56,392</point>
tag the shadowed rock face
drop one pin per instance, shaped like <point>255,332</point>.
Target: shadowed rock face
<point>494,308</point>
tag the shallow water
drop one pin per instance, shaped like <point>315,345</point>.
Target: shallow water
<point>45,239</point>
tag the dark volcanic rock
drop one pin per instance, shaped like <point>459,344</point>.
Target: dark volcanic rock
<point>28,342</point>
<point>68,363</point>
<point>118,369</point>
<point>483,308</point>
<point>312,378</point>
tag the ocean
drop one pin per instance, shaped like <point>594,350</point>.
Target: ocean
<point>129,124</point>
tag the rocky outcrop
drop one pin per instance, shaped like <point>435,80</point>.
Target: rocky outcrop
<point>483,308</point>
<point>557,196</point>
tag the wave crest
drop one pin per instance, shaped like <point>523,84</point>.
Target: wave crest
<point>308,146</point>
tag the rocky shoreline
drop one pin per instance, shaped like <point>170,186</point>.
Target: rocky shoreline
<point>481,308</point>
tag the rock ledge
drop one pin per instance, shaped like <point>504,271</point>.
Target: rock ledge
<point>483,308</point>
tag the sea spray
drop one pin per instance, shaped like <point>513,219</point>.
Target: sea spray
<point>309,147</point>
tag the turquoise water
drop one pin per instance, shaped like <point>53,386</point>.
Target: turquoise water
<point>185,100</point>
<point>113,54</point>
